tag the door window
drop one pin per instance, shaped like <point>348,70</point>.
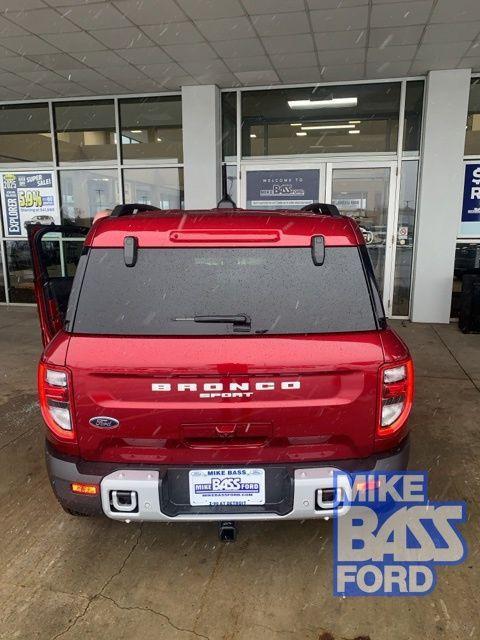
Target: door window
<point>363,194</point>
<point>405,238</point>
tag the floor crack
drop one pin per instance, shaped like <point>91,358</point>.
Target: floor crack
<point>126,559</point>
<point>75,620</point>
<point>20,435</point>
<point>455,358</point>
<point>155,612</point>
<point>99,593</point>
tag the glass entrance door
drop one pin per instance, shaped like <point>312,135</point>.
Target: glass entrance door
<point>366,193</point>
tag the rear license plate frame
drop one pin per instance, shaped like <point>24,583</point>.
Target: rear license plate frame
<point>236,487</point>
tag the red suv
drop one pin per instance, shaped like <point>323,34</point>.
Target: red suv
<point>217,365</point>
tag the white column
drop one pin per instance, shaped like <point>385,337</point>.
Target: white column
<point>440,193</point>
<point>202,146</point>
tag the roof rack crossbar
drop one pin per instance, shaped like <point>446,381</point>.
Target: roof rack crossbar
<point>131,209</point>
<point>322,208</point>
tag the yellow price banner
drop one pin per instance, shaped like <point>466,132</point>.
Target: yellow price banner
<point>30,198</point>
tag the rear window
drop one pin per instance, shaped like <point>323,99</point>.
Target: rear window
<point>279,290</point>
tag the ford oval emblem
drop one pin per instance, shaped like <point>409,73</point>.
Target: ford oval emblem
<point>104,422</point>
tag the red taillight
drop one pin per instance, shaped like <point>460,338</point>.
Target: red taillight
<point>396,397</point>
<point>54,391</point>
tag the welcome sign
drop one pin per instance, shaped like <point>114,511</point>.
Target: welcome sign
<point>282,188</point>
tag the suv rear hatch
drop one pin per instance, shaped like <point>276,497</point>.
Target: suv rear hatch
<point>294,380</point>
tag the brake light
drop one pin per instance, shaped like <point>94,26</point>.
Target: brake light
<point>55,395</point>
<point>396,397</point>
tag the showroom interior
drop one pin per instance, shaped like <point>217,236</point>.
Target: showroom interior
<point>391,152</point>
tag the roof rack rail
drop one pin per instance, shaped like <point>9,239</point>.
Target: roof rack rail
<point>322,208</point>
<point>131,209</point>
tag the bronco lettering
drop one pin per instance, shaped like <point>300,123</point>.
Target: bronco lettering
<point>230,390</point>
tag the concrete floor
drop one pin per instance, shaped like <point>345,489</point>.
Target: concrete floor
<point>64,577</point>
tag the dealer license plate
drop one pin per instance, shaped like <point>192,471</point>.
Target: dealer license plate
<point>231,487</point>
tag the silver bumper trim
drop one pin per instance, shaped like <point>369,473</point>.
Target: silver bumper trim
<point>146,486</point>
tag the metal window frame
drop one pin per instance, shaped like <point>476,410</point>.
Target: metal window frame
<point>116,164</point>
<point>396,157</point>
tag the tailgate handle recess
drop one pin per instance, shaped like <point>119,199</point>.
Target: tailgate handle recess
<point>225,430</point>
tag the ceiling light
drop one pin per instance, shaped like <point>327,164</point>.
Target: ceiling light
<point>136,130</point>
<point>355,131</point>
<point>253,135</point>
<point>301,133</point>
<point>292,124</point>
<point>355,121</point>
<point>322,104</point>
<point>328,126</point>
<point>159,139</point>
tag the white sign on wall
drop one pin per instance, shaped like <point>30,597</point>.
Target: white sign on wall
<point>27,198</point>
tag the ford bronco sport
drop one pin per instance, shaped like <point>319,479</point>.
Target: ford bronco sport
<point>217,365</point>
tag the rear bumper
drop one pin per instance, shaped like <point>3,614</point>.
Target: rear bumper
<point>146,482</point>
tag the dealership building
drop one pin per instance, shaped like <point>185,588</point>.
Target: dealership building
<point>372,105</point>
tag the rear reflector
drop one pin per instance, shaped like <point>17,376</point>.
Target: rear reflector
<point>395,398</point>
<point>367,485</point>
<point>84,489</point>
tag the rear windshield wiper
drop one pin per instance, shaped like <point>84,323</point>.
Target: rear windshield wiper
<point>240,322</point>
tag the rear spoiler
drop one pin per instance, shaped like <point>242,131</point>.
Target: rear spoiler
<point>322,208</point>
<point>131,209</point>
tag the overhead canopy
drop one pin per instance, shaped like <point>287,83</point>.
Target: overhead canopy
<point>128,47</point>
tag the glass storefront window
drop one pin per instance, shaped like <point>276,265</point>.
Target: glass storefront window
<point>25,134</point>
<point>413,117</point>
<point>467,260</point>
<point>83,192</point>
<point>229,126</point>
<point>85,131</point>
<point>405,239</point>
<point>472,134</point>
<point>344,119</point>
<point>89,170</point>
<point>19,268</point>
<point>152,129</point>
<point>161,187</point>
<point>71,255</point>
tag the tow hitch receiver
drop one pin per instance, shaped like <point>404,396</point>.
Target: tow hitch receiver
<point>227,531</point>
